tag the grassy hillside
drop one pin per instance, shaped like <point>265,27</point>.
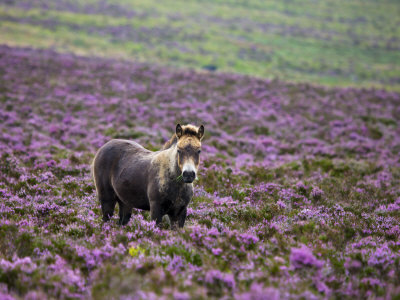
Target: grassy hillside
<point>331,42</point>
<point>298,192</point>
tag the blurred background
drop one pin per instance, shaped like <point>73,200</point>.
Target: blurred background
<point>330,42</point>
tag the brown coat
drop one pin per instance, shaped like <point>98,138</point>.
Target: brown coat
<point>135,177</point>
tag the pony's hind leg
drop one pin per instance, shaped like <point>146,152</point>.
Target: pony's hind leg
<point>107,199</point>
<point>125,213</point>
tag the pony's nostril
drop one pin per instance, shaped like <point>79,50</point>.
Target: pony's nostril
<point>189,175</point>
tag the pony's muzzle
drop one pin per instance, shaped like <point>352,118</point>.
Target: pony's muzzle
<point>188,176</point>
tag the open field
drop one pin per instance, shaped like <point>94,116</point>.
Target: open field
<point>330,42</point>
<point>298,194</point>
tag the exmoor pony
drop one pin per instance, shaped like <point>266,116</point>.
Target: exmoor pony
<point>160,181</point>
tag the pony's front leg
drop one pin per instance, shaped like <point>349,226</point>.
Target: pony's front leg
<point>182,217</point>
<point>178,220</point>
<point>156,212</point>
<point>174,221</point>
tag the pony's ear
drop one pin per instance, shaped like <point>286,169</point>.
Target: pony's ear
<point>200,132</point>
<point>178,130</point>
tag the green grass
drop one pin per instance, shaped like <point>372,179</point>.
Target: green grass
<point>335,43</point>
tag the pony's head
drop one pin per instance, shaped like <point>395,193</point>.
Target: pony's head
<point>189,148</point>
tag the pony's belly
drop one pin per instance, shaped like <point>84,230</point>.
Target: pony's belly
<point>141,203</point>
<point>136,199</point>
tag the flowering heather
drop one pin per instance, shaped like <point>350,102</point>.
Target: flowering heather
<point>298,192</point>
<point>303,257</point>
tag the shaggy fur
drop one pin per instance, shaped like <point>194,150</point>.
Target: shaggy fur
<point>134,177</point>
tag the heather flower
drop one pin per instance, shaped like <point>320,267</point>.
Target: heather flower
<point>176,265</point>
<point>24,264</point>
<point>244,160</point>
<point>322,287</point>
<point>316,193</point>
<point>248,239</point>
<point>216,251</point>
<point>281,204</point>
<point>224,201</point>
<point>217,277</point>
<point>213,232</point>
<point>382,257</point>
<point>303,257</point>
<point>258,292</point>
<point>181,296</point>
<point>352,264</point>
<point>6,296</point>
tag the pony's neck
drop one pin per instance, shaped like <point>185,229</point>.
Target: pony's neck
<point>172,154</point>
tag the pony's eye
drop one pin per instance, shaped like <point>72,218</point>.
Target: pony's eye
<point>198,151</point>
